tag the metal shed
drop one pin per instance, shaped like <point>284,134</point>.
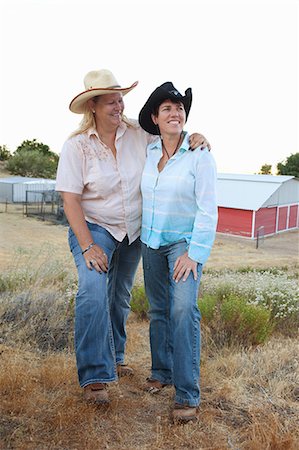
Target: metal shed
<point>13,189</point>
<point>247,203</point>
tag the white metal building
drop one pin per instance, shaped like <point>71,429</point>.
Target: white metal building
<point>13,189</point>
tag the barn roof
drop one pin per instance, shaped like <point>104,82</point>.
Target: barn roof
<point>247,191</point>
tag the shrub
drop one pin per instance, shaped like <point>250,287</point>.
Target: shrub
<point>273,289</point>
<point>231,320</point>
<point>33,159</point>
<point>245,323</point>
<point>33,164</point>
<point>139,302</point>
<point>207,307</point>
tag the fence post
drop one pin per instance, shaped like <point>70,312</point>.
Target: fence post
<point>260,234</point>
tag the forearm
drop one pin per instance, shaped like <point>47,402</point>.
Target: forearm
<point>94,255</point>
<point>75,216</point>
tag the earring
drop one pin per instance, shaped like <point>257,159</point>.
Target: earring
<point>93,111</point>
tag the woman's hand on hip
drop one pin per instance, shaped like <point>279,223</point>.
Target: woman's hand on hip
<point>183,266</point>
<point>96,258</point>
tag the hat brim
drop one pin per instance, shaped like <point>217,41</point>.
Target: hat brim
<point>155,99</point>
<point>78,104</point>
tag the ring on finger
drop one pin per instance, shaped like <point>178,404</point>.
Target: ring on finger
<point>92,261</point>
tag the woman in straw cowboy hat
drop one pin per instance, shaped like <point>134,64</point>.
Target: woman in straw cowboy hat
<point>99,175</point>
<point>179,218</point>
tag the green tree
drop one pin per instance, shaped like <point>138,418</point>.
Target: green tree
<point>4,153</point>
<point>33,159</point>
<point>31,146</point>
<point>290,166</point>
<point>265,169</point>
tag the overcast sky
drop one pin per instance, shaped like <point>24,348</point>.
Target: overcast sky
<point>240,58</point>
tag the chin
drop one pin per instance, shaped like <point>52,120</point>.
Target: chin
<point>116,121</point>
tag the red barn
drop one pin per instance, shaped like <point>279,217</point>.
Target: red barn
<point>248,203</point>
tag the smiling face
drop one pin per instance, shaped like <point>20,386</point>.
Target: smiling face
<point>170,117</point>
<point>108,109</point>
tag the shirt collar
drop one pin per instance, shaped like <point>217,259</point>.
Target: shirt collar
<point>92,131</point>
<point>120,131</point>
<point>157,145</point>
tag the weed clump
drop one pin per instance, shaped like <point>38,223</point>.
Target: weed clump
<point>232,321</point>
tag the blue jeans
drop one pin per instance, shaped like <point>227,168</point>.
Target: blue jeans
<point>174,322</point>
<point>102,306</point>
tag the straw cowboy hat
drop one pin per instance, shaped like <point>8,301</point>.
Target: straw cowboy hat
<point>166,91</point>
<point>97,82</point>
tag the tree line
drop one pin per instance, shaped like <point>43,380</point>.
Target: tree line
<point>288,167</point>
<point>35,159</point>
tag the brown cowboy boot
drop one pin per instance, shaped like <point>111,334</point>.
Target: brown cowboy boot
<point>96,393</point>
<point>124,371</point>
<point>184,413</point>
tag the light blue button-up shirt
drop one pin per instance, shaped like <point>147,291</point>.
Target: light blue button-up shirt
<point>180,201</point>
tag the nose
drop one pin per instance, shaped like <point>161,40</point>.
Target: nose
<point>175,112</point>
<point>118,106</point>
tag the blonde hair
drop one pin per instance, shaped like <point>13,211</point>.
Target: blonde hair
<point>88,122</point>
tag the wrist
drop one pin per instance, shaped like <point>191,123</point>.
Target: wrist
<point>88,248</point>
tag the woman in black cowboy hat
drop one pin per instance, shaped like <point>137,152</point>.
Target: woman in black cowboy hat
<point>179,218</point>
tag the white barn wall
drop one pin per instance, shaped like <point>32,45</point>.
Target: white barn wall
<point>13,189</point>
<point>20,189</point>
<point>6,192</point>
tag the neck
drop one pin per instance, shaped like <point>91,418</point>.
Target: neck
<point>106,134</point>
<point>171,144</point>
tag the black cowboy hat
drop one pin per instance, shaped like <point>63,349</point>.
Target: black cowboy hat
<point>166,91</point>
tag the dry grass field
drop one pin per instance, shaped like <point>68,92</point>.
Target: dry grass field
<point>250,397</point>
<point>33,236</point>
